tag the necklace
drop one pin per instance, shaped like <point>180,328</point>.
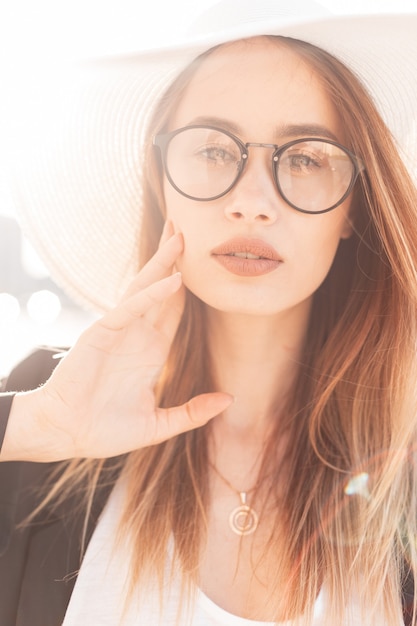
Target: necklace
<point>243,520</point>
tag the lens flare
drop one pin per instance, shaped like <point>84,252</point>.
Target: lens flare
<point>358,485</point>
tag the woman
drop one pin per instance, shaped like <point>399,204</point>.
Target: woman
<point>254,388</point>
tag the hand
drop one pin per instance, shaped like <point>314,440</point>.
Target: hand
<point>100,401</point>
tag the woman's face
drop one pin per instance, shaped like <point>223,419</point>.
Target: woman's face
<point>261,92</point>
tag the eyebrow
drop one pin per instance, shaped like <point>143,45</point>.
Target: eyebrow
<point>284,130</point>
<point>306,130</point>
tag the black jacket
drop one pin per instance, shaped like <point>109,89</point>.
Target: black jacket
<point>39,563</point>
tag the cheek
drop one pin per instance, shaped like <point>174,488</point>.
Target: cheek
<point>319,244</point>
<point>179,210</point>
<point>188,220</point>
<point>193,219</point>
<point>319,235</point>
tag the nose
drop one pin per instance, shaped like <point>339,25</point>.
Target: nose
<point>254,198</point>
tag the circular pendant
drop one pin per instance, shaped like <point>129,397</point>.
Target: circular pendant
<point>243,520</point>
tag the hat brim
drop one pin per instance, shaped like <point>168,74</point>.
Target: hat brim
<point>77,167</point>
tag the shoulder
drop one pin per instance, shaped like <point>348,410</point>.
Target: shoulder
<point>39,560</point>
<point>21,483</point>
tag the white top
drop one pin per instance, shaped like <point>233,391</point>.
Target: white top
<point>99,594</point>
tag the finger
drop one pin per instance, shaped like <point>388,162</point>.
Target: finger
<point>193,414</point>
<point>169,315</point>
<point>167,232</point>
<point>159,266</point>
<point>140,303</point>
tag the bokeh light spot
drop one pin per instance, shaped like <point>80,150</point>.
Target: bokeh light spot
<point>44,307</point>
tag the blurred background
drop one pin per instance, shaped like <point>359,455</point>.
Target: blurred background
<point>33,310</point>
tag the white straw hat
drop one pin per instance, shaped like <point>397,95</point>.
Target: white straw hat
<point>77,175</point>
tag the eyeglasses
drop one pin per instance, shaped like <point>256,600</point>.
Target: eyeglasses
<point>204,163</point>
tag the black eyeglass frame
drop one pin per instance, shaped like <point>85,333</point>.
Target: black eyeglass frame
<point>163,140</point>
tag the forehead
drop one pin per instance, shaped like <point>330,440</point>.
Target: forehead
<point>258,85</point>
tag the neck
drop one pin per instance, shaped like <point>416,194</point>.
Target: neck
<point>256,359</point>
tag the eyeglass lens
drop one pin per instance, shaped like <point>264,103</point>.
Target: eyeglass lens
<point>312,175</point>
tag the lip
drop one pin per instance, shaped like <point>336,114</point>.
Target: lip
<point>268,260</point>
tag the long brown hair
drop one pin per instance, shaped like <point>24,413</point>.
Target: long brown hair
<point>349,510</point>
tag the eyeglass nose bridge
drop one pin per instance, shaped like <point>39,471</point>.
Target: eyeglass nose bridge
<point>254,144</point>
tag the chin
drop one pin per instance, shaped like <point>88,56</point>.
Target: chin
<point>231,303</point>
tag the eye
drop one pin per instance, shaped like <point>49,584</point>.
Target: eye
<point>218,155</point>
<point>303,162</point>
